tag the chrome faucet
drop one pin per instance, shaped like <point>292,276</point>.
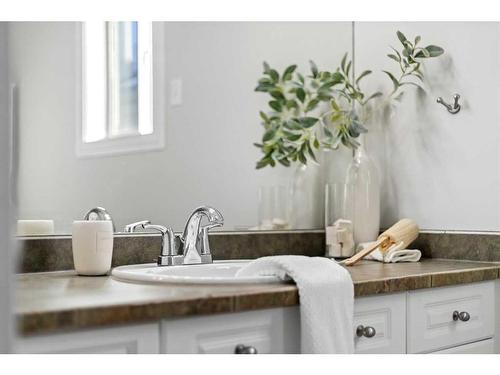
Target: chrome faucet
<point>194,240</point>
<point>192,247</point>
<point>168,255</point>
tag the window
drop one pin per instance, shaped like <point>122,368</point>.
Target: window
<point>117,89</point>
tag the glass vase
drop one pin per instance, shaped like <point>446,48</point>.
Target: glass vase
<point>306,209</point>
<point>363,195</point>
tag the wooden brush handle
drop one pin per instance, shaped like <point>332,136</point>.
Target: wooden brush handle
<point>383,241</point>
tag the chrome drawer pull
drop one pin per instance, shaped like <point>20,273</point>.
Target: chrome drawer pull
<point>462,316</point>
<point>243,349</point>
<point>365,331</point>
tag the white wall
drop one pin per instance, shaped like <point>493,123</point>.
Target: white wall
<point>5,218</point>
<point>209,157</point>
<point>442,170</point>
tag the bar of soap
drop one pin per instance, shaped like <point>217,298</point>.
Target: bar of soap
<point>35,227</point>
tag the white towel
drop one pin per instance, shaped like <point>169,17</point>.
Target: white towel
<point>326,296</point>
<point>394,254</point>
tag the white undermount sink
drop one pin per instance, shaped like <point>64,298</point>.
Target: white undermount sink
<point>219,272</point>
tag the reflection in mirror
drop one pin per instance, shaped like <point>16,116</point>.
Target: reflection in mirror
<point>152,121</point>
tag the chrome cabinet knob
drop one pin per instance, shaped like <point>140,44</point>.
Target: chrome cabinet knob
<point>243,349</point>
<point>365,331</point>
<point>463,316</point>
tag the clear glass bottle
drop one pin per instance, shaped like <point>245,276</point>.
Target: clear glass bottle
<point>363,195</point>
<point>306,211</point>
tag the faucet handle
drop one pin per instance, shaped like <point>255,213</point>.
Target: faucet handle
<point>131,228</point>
<point>167,246</point>
<point>168,254</point>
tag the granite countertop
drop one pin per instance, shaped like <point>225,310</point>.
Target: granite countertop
<point>51,302</point>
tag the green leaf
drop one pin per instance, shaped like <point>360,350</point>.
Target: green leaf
<point>263,116</point>
<point>417,39</point>
<point>364,74</point>
<point>401,37</point>
<point>394,57</point>
<point>291,104</point>
<point>262,163</point>
<point>301,78</point>
<point>337,77</point>
<point>268,135</point>
<point>342,63</point>
<point>348,68</point>
<point>316,143</point>
<point>308,122</point>
<point>310,151</point>
<point>396,52</point>
<point>312,104</point>
<point>293,137</point>
<point>423,53</point>
<point>267,68</point>
<point>293,124</point>
<point>264,87</point>
<point>274,75</point>
<point>324,76</point>
<point>314,69</point>
<point>334,105</point>
<point>287,74</point>
<point>258,145</point>
<point>327,86</point>
<point>434,51</point>
<point>328,132</point>
<point>393,79</point>
<point>284,162</point>
<point>302,157</point>
<point>277,94</point>
<point>301,94</point>
<point>276,105</point>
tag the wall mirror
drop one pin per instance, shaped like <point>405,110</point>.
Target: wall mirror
<point>151,120</point>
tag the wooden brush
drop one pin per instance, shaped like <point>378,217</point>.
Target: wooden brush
<point>405,231</point>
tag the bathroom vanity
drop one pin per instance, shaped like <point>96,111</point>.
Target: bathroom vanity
<point>435,306</point>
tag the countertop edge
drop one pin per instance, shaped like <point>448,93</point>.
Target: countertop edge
<point>59,321</point>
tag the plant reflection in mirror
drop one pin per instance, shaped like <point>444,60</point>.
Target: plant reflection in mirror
<point>317,111</point>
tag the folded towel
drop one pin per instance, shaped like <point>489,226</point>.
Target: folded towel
<point>394,254</point>
<point>326,296</point>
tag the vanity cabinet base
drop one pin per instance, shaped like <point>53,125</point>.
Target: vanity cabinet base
<point>421,321</point>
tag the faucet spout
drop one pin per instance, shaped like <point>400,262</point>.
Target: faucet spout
<point>192,251</point>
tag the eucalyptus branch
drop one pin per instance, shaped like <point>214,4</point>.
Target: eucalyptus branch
<point>410,62</point>
<point>316,111</point>
<point>293,130</point>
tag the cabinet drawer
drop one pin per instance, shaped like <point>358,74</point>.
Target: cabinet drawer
<point>268,331</point>
<point>480,347</point>
<point>136,339</point>
<point>386,314</point>
<point>430,316</point>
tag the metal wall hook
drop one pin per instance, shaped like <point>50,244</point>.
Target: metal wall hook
<point>453,109</point>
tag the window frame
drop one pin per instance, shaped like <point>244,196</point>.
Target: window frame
<point>127,143</point>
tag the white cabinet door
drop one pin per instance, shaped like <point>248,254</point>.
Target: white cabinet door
<point>480,347</point>
<point>431,325</point>
<point>268,331</point>
<point>386,314</point>
<point>136,339</point>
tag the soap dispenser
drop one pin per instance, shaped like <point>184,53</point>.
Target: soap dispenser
<point>92,243</point>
